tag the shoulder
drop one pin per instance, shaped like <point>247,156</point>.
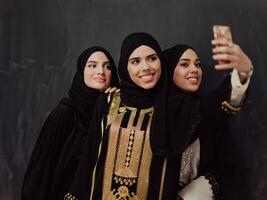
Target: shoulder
<point>62,116</point>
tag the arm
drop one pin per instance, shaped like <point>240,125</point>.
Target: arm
<point>229,97</point>
<point>231,56</point>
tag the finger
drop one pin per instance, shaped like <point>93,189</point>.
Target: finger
<point>225,57</point>
<point>223,49</point>
<point>221,42</point>
<point>112,90</point>
<point>225,66</point>
<point>107,90</point>
<point>238,51</point>
<point>118,90</point>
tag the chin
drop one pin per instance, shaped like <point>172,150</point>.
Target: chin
<point>194,89</point>
<point>100,87</point>
<point>148,86</point>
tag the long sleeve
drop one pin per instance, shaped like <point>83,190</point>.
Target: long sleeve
<point>238,89</point>
<point>45,155</point>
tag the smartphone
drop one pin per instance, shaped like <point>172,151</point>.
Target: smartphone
<point>220,31</point>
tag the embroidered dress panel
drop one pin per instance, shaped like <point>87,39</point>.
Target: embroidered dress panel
<point>129,156</point>
<point>189,163</point>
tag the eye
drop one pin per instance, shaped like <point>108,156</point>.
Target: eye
<point>198,64</point>
<point>152,58</point>
<point>107,66</point>
<point>91,65</point>
<point>135,61</point>
<point>184,64</point>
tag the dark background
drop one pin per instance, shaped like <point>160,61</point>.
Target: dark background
<point>41,40</point>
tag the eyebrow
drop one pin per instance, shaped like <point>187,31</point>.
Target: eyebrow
<point>186,59</point>
<point>92,61</point>
<point>154,54</point>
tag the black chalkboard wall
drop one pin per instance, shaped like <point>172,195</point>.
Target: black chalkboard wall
<point>40,42</point>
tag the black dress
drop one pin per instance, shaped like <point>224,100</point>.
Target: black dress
<point>59,146</point>
<point>56,153</point>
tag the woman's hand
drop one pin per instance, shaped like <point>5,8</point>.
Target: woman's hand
<point>231,56</point>
<point>111,90</point>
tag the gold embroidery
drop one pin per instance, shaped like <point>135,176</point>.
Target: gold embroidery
<point>189,163</point>
<point>122,109</point>
<point>113,109</point>
<point>162,178</point>
<point>143,177</point>
<point>126,173</point>
<point>94,171</point>
<point>229,109</point>
<point>70,197</point>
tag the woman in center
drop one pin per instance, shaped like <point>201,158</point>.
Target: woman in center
<point>129,154</point>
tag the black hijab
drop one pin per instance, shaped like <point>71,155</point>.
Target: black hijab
<point>178,111</point>
<point>132,94</point>
<point>82,97</point>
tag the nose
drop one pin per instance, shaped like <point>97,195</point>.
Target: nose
<point>146,65</point>
<point>193,68</point>
<point>100,70</point>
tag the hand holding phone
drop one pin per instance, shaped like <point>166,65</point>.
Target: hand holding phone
<point>228,54</point>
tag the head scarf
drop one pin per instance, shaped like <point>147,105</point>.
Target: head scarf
<point>83,97</point>
<point>132,94</point>
<point>180,112</point>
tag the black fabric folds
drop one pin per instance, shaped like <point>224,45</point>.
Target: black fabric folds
<point>177,111</point>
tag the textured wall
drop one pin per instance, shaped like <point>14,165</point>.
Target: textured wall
<point>40,42</point>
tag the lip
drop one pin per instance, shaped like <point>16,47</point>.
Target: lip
<point>100,79</point>
<point>193,79</point>
<point>147,77</point>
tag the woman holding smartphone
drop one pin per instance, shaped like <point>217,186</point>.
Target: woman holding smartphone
<point>196,126</point>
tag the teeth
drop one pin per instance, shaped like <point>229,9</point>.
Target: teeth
<point>147,76</point>
<point>192,79</point>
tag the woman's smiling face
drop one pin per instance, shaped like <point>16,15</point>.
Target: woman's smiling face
<point>144,67</point>
<point>188,73</point>
<point>97,71</point>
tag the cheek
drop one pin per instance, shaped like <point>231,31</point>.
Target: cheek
<point>178,77</point>
<point>158,67</point>
<point>87,75</point>
<point>108,75</point>
<point>200,74</point>
<point>132,70</point>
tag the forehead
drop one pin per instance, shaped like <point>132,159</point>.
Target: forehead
<point>98,56</point>
<point>189,54</point>
<point>142,51</point>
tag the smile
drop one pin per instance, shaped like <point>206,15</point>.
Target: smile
<point>193,79</point>
<point>100,79</point>
<point>147,77</point>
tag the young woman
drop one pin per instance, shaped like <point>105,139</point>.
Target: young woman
<point>197,126</point>
<point>58,148</point>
